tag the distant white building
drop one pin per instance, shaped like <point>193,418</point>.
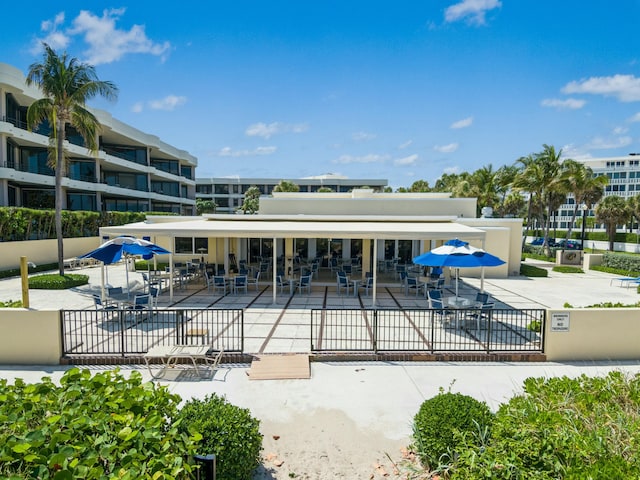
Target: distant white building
<point>228,192</point>
<point>624,181</point>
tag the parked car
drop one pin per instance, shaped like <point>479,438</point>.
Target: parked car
<point>540,240</point>
<point>570,244</point>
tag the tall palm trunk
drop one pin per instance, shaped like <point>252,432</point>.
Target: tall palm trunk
<point>58,191</point>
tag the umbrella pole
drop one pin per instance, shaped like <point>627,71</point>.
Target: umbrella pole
<point>482,280</point>
<point>126,272</point>
<point>102,295</point>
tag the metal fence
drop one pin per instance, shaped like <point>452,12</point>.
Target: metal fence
<point>427,330</point>
<point>123,332</point>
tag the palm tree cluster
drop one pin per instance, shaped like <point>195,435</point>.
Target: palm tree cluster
<point>535,187</point>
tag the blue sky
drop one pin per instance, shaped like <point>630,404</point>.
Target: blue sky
<point>403,90</point>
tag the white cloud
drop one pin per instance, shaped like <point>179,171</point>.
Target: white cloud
<point>363,136</point>
<point>625,88</point>
<point>55,39</point>
<point>567,104</point>
<point>451,170</point>
<point>169,103</point>
<point>575,153</point>
<point>107,43</point>
<point>635,118</point>
<point>464,123</point>
<point>137,107</point>
<point>450,148</point>
<point>268,130</point>
<point>472,10</point>
<point>370,158</point>
<point>410,160</point>
<point>599,143</point>
<point>229,152</point>
<point>620,130</point>
<point>404,145</point>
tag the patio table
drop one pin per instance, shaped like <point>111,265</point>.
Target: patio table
<point>457,304</point>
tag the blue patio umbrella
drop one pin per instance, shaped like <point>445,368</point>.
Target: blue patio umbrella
<point>458,254</point>
<point>113,250</point>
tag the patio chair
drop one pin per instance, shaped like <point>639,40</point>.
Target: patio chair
<point>282,282</point>
<point>254,280</point>
<point>240,283</point>
<point>150,282</point>
<point>368,284</point>
<point>220,283</point>
<point>481,299</point>
<point>305,283</point>
<point>154,293</point>
<point>412,283</point>
<point>480,314</point>
<point>107,310</point>
<point>342,283</point>
<point>208,281</point>
<point>439,311</point>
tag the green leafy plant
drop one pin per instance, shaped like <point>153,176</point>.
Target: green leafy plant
<point>227,431</point>
<point>532,271</point>
<point>57,282</point>
<point>101,426</point>
<point>569,428</point>
<point>11,304</point>
<point>535,326</point>
<point>440,419</point>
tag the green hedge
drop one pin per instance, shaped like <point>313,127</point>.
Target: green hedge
<point>567,269</point>
<point>576,234</point>
<point>620,261</point>
<point>18,223</point>
<point>57,282</point>
<point>532,271</point>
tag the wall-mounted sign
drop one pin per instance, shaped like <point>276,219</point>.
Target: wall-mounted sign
<point>560,322</point>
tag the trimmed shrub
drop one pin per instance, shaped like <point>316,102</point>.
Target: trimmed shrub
<point>443,421</point>
<point>622,262</point>
<point>532,271</point>
<point>535,326</point>
<point>567,269</point>
<point>57,282</point>
<point>227,431</point>
<point>101,426</point>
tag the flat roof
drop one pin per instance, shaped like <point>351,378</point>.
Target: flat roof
<point>304,226</point>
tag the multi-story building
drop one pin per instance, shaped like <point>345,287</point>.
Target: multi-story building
<point>132,170</point>
<point>624,181</point>
<point>228,192</point>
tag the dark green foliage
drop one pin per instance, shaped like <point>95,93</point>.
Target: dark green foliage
<point>55,281</point>
<point>18,223</point>
<point>535,326</point>
<point>626,263</point>
<point>567,269</point>
<point>616,271</point>
<point>15,272</point>
<point>91,427</point>
<point>227,431</point>
<point>439,422</point>
<point>562,428</point>
<point>532,271</point>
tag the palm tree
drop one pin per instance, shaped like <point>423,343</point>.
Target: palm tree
<point>67,85</point>
<point>633,204</point>
<point>484,187</point>
<point>286,186</point>
<point>586,188</point>
<point>251,202</point>
<point>612,211</point>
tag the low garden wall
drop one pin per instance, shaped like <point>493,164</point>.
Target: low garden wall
<point>30,337</point>
<point>592,334</point>
<point>43,251</point>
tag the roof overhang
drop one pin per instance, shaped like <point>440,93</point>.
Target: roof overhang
<point>256,226</point>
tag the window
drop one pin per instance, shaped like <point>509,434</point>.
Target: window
<point>222,189</point>
<point>191,245</point>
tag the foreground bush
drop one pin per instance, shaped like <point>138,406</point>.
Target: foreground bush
<point>57,281</point>
<point>105,426</point>
<point>11,304</point>
<point>227,431</point>
<point>562,428</point>
<point>532,271</point>
<point>440,419</point>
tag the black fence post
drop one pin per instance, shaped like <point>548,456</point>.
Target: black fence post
<point>207,470</point>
